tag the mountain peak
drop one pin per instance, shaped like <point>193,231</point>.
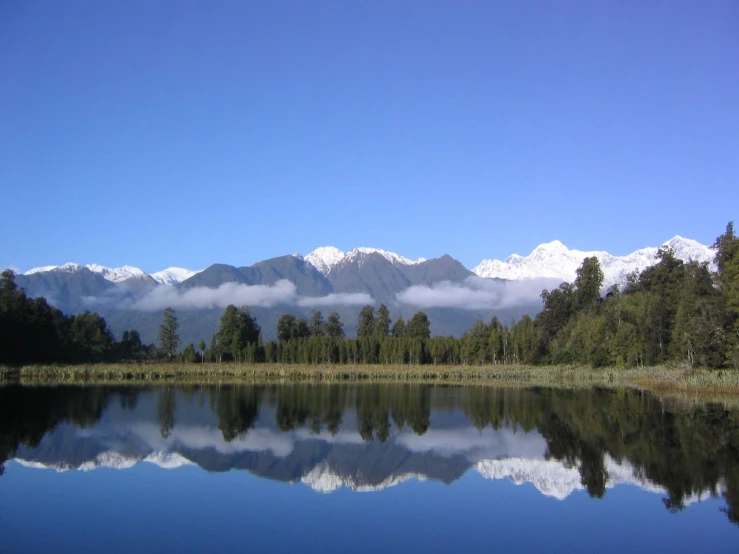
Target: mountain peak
<point>553,260</point>
<point>115,274</point>
<point>173,275</point>
<point>325,258</point>
<point>167,276</point>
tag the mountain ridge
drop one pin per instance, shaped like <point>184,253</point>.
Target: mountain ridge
<point>548,260</point>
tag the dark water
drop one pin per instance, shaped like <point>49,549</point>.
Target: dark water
<point>364,469</point>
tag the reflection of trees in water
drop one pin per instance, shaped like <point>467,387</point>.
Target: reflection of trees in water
<point>685,451</point>
<point>28,413</point>
<point>318,406</point>
<point>237,409</point>
<point>165,410</point>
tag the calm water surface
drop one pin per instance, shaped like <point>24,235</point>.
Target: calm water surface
<point>364,469</point>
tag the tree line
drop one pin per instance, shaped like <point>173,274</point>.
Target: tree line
<point>672,311</point>
<point>32,331</point>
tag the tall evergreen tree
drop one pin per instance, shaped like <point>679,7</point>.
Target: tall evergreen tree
<point>334,328</point>
<point>382,321</point>
<point>366,323</point>
<point>419,326</point>
<point>316,324</point>
<point>285,327</point>
<point>399,328</point>
<point>727,262</point>
<point>169,340</point>
<point>588,283</point>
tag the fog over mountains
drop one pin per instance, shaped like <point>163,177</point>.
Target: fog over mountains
<point>329,279</point>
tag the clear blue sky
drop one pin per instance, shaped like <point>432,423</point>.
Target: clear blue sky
<point>187,133</point>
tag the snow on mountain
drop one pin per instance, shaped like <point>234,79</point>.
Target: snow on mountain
<point>42,269</point>
<point>549,477</point>
<point>117,274</point>
<point>114,460</point>
<point>325,258</point>
<point>552,478</point>
<point>114,274</point>
<point>168,460</point>
<point>322,479</point>
<point>554,260</point>
<point>173,275</point>
<point>169,276</point>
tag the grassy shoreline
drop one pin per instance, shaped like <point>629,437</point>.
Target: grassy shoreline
<point>657,379</point>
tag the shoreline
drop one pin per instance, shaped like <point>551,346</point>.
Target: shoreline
<point>658,379</point>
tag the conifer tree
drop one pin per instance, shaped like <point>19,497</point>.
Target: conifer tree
<point>316,324</point>
<point>334,327</point>
<point>382,321</point>
<point>399,328</point>
<point>169,340</point>
<point>366,323</point>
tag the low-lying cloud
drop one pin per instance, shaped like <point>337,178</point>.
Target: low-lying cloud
<point>476,293</point>
<point>239,294</point>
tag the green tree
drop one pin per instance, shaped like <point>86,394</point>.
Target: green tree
<point>727,278</point>
<point>189,355</point>
<point>300,330</point>
<point>316,324</point>
<point>169,340</point>
<point>285,327</point>
<point>334,328</point>
<point>366,323</point>
<point>419,326</point>
<point>382,321</point>
<point>399,328</point>
<point>238,330</point>
<point>201,347</point>
<point>90,333</point>
<point>588,283</point>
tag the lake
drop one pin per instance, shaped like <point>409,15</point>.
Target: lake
<point>364,468</point>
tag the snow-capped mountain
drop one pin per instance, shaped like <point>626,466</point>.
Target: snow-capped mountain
<point>168,276</point>
<point>552,478</point>
<point>325,258</point>
<point>323,479</point>
<point>113,460</point>
<point>554,260</point>
<point>117,274</point>
<point>114,274</point>
<point>173,275</point>
<point>549,477</point>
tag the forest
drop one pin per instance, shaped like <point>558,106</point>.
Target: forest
<point>672,312</point>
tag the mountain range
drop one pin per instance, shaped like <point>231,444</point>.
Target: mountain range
<point>552,260</point>
<point>330,279</point>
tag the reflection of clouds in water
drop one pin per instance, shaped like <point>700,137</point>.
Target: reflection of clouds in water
<point>475,444</point>
<point>204,437</point>
<point>468,441</point>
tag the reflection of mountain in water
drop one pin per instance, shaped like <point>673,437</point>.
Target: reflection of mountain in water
<point>368,438</point>
<point>324,465</point>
